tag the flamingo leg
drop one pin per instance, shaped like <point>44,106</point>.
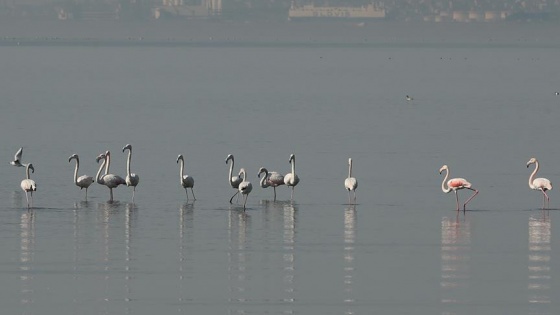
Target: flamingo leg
<point>473,195</point>
<point>292,195</point>
<point>86,193</point>
<point>349,198</point>
<point>192,190</point>
<point>354,197</point>
<point>27,198</point>
<point>546,199</point>
<point>236,194</point>
<point>133,191</point>
<point>274,193</point>
<point>244,201</point>
<point>456,199</point>
<point>111,192</point>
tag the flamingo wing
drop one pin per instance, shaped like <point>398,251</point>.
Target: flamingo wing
<point>84,181</point>
<point>542,183</point>
<point>350,183</point>
<point>458,183</point>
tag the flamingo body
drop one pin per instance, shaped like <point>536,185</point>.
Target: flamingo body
<point>350,183</point>
<point>456,184</point>
<point>131,179</point>
<point>28,185</point>
<point>83,181</point>
<point>245,187</point>
<point>270,179</point>
<point>186,180</point>
<point>234,181</point>
<point>291,179</point>
<point>541,184</point>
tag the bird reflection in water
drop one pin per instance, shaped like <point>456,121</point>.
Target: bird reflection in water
<point>349,240</point>
<point>455,259</point>
<point>539,258</point>
<point>27,251</point>
<point>239,223</point>
<point>186,264</point>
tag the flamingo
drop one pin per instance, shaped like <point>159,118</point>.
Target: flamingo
<point>291,179</point>
<point>17,159</point>
<point>131,178</point>
<point>541,184</point>
<point>109,180</point>
<point>234,181</point>
<point>83,181</point>
<point>186,180</point>
<point>350,183</point>
<point>455,184</point>
<point>270,179</point>
<point>28,185</point>
<point>245,187</point>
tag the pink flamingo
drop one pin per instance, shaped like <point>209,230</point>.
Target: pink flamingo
<point>541,184</point>
<point>455,184</point>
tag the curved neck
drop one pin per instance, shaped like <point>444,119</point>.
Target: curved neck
<point>27,170</point>
<point>350,169</point>
<point>76,170</point>
<point>231,171</point>
<point>443,183</point>
<point>98,176</point>
<point>243,175</point>
<point>182,168</point>
<point>264,179</point>
<point>108,163</point>
<point>128,162</point>
<point>532,176</point>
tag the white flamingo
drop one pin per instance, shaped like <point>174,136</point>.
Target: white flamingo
<point>109,180</point>
<point>131,178</point>
<point>28,185</point>
<point>270,179</point>
<point>245,187</point>
<point>291,179</point>
<point>350,183</point>
<point>455,184</point>
<point>234,181</point>
<point>186,180</point>
<point>540,183</point>
<point>17,159</point>
<point>83,181</point>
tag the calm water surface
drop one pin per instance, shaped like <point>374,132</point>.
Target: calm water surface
<point>483,110</point>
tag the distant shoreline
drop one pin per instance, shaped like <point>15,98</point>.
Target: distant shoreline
<point>188,32</point>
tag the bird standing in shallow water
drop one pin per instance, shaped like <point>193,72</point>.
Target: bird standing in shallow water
<point>131,178</point>
<point>186,180</point>
<point>28,185</point>
<point>270,179</point>
<point>83,181</point>
<point>540,183</point>
<point>455,184</point>
<point>109,180</point>
<point>350,183</point>
<point>245,187</point>
<point>291,179</point>
<point>234,181</point>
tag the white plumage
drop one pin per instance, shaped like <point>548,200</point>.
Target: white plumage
<point>17,159</point>
<point>132,179</point>
<point>542,184</point>
<point>109,180</point>
<point>245,187</point>
<point>234,181</point>
<point>350,183</point>
<point>28,185</point>
<point>291,179</point>
<point>186,180</point>
<point>270,179</point>
<point>83,181</point>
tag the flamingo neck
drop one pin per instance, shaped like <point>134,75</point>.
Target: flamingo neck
<point>293,162</point>
<point>128,162</point>
<point>27,171</point>
<point>231,171</point>
<point>243,174</point>
<point>98,176</point>
<point>350,169</point>
<point>76,170</point>
<point>445,188</point>
<point>264,179</point>
<point>108,164</point>
<point>532,176</point>
<point>182,168</point>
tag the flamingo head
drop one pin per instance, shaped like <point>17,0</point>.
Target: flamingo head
<point>128,146</point>
<point>73,156</point>
<point>349,161</point>
<point>292,158</point>
<point>100,157</point>
<point>443,168</point>
<point>531,161</point>
<point>229,157</point>
<point>262,170</point>
<point>180,157</point>
<point>30,166</point>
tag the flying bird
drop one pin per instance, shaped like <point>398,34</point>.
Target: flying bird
<point>17,159</point>
<point>540,183</point>
<point>83,181</point>
<point>454,185</point>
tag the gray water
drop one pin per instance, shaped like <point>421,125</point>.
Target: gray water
<point>403,249</point>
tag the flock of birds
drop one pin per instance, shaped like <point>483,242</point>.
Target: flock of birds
<point>238,182</point>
